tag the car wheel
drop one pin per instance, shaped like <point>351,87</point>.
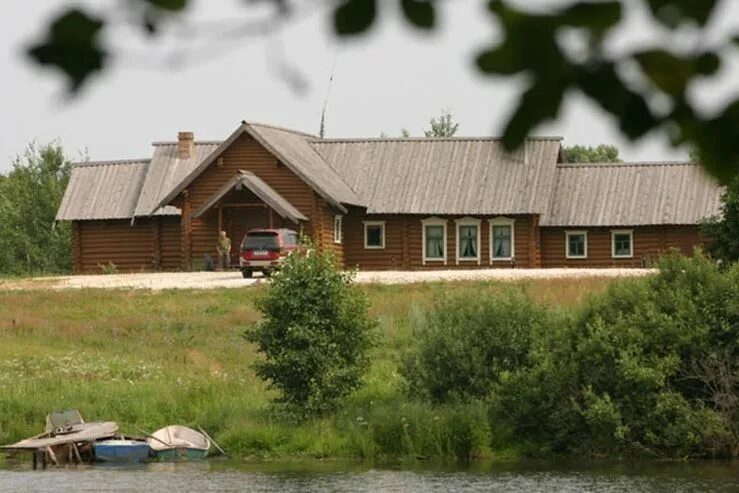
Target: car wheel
<point>246,273</point>
<point>267,273</point>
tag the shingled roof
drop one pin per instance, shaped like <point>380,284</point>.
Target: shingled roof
<point>292,148</point>
<point>455,176</point>
<point>445,176</point>
<point>632,194</point>
<point>103,190</point>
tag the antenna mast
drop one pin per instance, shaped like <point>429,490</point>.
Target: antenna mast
<point>322,129</point>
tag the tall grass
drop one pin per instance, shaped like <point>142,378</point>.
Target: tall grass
<point>148,359</point>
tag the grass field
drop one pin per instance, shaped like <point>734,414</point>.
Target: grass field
<point>149,359</point>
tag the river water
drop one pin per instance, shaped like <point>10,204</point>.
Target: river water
<point>314,476</point>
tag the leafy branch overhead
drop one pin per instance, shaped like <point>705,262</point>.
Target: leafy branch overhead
<point>532,45</point>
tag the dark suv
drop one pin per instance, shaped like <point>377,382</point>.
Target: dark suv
<point>265,249</point>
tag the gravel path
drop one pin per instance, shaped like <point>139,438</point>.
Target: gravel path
<point>210,280</point>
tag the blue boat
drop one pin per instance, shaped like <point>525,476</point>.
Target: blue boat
<point>121,450</point>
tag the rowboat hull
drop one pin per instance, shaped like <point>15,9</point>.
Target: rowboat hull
<point>180,453</point>
<point>121,451</point>
<point>178,442</point>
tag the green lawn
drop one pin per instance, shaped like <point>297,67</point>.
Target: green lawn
<point>148,359</point>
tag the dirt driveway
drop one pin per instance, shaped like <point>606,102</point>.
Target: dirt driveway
<point>211,280</point>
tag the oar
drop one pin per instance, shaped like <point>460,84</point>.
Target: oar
<point>213,441</point>
<point>149,435</point>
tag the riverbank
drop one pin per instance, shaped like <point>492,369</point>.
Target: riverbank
<point>148,359</point>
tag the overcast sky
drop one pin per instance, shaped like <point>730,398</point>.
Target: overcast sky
<point>394,78</point>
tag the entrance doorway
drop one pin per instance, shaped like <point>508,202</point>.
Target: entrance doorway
<point>237,220</point>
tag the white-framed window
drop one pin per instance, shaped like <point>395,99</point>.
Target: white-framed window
<point>374,235</point>
<point>434,240</point>
<point>338,228</point>
<point>502,239</point>
<point>576,244</point>
<point>468,240</point>
<point>622,243</point>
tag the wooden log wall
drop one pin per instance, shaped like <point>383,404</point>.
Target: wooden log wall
<point>148,244</point>
<point>649,242</point>
<point>404,248</point>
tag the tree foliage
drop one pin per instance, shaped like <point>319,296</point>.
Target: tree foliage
<point>602,153</point>
<point>651,367</point>
<point>531,45</point>
<point>443,126</point>
<point>30,194</point>
<point>468,343</point>
<point>315,333</point>
<point>724,230</point>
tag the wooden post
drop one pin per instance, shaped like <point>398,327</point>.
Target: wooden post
<point>405,244</point>
<point>77,453</point>
<point>534,243</point>
<point>34,459</point>
<point>52,456</point>
<point>186,232</point>
<point>76,247</point>
<point>316,223</point>
<point>157,243</point>
<point>220,218</point>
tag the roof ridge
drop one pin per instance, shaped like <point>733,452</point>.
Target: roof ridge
<point>112,162</point>
<point>422,139</point>
<point>284,129</point>
<point>196,142</point>
<point>626,164</point>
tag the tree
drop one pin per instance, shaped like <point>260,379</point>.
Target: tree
<point>586,154</point>
<point>315,333</point>
<point>444,126</point>
<point>723,231</point>
<point>531,47</point>
<point>30,194</point>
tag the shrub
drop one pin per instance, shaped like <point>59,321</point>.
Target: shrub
<point>469,342</point>
<point>650,367</point>
<point>315,334</point>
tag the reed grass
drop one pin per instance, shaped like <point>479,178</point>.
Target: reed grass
<point>149,359</point>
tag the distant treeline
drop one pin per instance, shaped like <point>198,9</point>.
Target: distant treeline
<point>30,193</point>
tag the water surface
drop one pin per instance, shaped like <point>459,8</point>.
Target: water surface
<point>315,476</point>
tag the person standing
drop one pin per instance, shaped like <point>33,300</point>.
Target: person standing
<point>224,250</point>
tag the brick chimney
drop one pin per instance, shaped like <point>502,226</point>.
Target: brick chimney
<point>185,142</point>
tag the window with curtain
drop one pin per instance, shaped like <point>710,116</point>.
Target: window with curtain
<point>502,236</point>
<point>468,241</point>
<point>435,242</point>
<point>576,245</point>
<point>622,244</point>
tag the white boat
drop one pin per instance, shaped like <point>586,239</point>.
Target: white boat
<point>178,441</point>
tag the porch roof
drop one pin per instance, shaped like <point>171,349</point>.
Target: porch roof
<point>259,188</point>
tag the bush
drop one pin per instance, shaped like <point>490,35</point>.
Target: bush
<point>650,367</point>
<point>470,342</point>
<point>315,334</point>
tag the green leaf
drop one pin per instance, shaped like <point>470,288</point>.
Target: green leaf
<point>72,45</point>
<point>419,12</point>
<point>603,85</point>
<point>538,103</point>
<point>173,5</point>
<point>599,16</point>
<point>706,63</point>
<point>354,16</point>
<point>501,60</point>
<point>667,71</point>
<point>672,13</point>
